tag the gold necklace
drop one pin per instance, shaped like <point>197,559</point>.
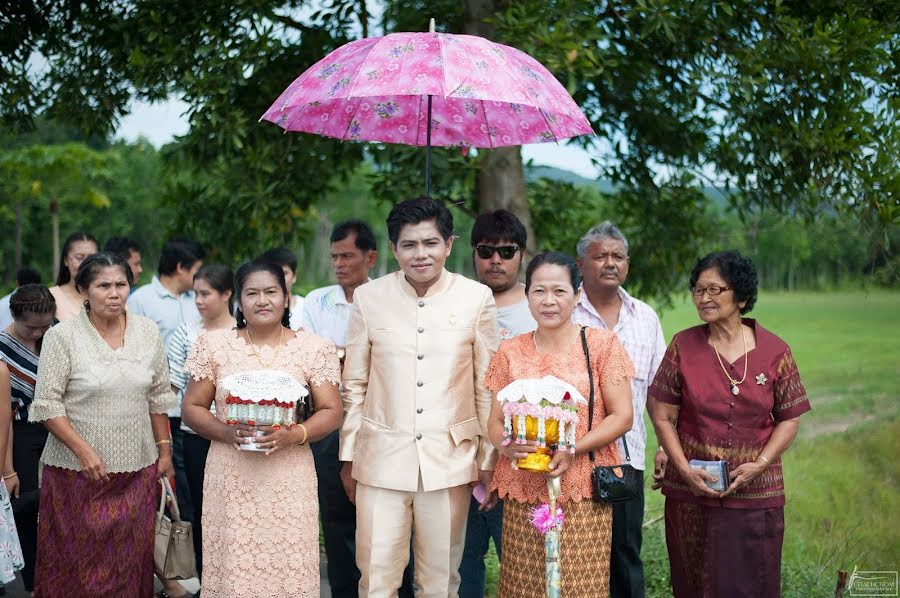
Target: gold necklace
<point>534,339</point>
<point>277,349</point>
<point>121,330</point>
<point>734,383</point>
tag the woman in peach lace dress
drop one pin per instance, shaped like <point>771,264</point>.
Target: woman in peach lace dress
<point>555,348</point>
<point>260,511</point>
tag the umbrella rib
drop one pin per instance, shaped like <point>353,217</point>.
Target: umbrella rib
<point>350,122</point>
<point>536,102</point>
<point>487,125</point>
<point>361,63</point>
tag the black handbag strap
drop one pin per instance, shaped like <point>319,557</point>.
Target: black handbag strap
<point>587,358</point>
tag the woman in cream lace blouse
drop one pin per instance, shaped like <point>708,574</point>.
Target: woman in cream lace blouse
<point>102,391</point>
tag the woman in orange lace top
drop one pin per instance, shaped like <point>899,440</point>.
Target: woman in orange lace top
<point>551,283</point>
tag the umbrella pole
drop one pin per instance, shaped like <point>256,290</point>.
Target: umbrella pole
<point>428,152</point>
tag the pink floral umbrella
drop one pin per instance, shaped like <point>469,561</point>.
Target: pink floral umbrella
<point>429,89</point>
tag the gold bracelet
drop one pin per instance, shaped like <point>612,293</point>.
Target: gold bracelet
<point>764,459</point>
<point>164,441</point>
<point>302,442</point>
<point>10,476</point>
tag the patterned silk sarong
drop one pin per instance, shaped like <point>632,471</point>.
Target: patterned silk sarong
<point>96,538</point>
<point>584,552</point>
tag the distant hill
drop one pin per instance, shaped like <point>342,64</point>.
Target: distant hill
<point>536,172</point>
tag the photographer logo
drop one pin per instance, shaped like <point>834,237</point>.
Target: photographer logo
<point>872,583</point>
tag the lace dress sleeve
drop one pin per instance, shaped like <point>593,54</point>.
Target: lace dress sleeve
<point>325,367</point>
<point>54,369</point>
<point>199,363</point>
<point>498,375</point>
<point>160,397</point>
<point>790,395</point>
<point>666,386</point>
<point>612,364</point>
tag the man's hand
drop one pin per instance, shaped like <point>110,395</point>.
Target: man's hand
<point>491,497</point>
<point>348,481</point>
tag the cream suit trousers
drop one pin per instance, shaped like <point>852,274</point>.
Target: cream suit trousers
<point>384,521</point>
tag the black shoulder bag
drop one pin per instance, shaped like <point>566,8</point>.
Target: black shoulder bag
<point>609,485</point>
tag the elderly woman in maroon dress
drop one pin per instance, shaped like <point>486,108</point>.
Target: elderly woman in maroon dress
<point>726,390</point>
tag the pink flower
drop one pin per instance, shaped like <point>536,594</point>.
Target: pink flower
<point>542,519</point>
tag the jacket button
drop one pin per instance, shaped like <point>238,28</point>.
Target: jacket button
<point>418,437</point>
<point>420,383</point>
<point>421,304</point>
<point>421,330</point>
<point>420,357</point>
<point>419,410</point>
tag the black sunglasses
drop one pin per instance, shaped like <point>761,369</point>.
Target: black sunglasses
<point>506,252</point>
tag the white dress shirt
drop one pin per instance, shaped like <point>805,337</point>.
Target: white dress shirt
<point>641,333</point>
<point>326,312</point>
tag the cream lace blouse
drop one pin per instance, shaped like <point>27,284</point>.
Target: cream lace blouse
<point>108,395</point>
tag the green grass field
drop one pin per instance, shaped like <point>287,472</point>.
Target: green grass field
<point>843,472</point>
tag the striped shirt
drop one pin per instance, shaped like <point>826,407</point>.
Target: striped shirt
<point>22,365</point>
<point>180,344</point>
<point>641,333</point>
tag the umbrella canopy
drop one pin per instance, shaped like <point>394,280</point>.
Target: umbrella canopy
<point>483,94</point>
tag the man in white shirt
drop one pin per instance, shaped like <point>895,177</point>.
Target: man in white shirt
<point>498,241</point>
<point>603,259</point>
<point>326,312</point>
<point>169,301</point>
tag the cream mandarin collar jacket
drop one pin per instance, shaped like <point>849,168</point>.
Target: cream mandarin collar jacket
<point>413,383</point>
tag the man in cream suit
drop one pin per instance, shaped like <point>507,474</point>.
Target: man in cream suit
<point>418,346</point>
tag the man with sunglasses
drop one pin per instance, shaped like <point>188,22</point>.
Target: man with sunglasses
<point>498,240</point>
<point>603,259</point>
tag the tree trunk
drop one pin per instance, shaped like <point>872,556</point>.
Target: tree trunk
<point>54,226</point>
<point>501,180</point>
<point>18,249</point>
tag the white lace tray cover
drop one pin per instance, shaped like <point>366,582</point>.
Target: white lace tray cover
<point>259,385</point>
<point>535,390</point>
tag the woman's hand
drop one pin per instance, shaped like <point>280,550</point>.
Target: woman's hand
<point>92,465</point>
<point>164,466</point>
<point>278,438</point>
<point>743,475</point>
<point>514,451</point>
<point>660,460</point>
<point>12,485</point>
<point>241,434</point>
<point>561,461</point>
<point>696,480</point>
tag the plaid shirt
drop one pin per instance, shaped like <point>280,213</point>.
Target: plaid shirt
<point>641,333</point>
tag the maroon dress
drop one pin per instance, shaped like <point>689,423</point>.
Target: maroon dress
<point>732,546</point>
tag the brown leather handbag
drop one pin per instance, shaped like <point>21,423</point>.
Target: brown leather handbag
<point>173,544</point>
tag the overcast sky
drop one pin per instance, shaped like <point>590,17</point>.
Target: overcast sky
<point>160,122</point>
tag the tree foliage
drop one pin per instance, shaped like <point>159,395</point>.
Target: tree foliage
<point>785,106</point>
